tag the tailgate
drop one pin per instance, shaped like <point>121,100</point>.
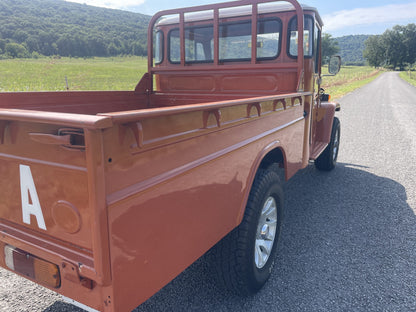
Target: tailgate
<point>52,208</point>
<point>44,189</point>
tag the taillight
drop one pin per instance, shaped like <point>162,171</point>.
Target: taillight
<point>325,97</point>
<point>39,270</point>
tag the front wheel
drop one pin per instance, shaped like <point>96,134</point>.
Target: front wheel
<point>245,258</point>
<point>328,159</point>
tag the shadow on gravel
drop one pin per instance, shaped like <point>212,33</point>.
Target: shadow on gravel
<point>63,307</point>
<point>348,244</point>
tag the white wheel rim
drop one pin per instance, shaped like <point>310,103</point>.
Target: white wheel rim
<point>266,232</point>
<point>335,146</point>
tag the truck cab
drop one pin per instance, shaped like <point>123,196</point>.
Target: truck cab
<point>239,49</point>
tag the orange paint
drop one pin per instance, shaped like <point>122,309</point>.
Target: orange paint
<point>135,186</point>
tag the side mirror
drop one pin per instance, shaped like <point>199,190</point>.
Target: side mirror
<point>334,65</point>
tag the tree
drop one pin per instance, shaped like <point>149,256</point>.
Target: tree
<point>20,35</point>
<point>409,32</point>
<point>374,51</point>
<point>396,51</point>
<point>47,43</point>
<point>113,50</point>
<point>96,45</point>
<point>3,43</point>
<point>16,50</point>
<point>395,46</point>
<point>65,44</point>
<point>32,43</point>
<point>329,47</point>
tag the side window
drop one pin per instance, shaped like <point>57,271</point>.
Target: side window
<point>317,47</point>
<point>174,46</point>
<point>307,36</point>
<point>158,47</point>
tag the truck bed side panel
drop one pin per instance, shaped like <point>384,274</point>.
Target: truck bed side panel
<point>172,199</point>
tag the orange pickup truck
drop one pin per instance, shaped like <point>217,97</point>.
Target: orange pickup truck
<point>105,197</point>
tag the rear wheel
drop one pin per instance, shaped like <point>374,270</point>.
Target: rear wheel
<point>245,258</point>
<point>328,159</point>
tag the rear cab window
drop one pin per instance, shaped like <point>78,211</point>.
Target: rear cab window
<point>234,42</point>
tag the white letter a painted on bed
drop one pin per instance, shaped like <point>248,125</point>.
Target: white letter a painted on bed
<point>27,188</point>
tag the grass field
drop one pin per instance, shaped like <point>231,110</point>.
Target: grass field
<point>409,77</point>
<point>349,79</point>
<point>123,73</point>
<point>119,73</point>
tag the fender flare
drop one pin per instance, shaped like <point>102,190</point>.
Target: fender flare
<point>272,146</point>
<point>325,121</point>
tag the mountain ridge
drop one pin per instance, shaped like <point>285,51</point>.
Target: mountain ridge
<point>57,27</point>
<point>352,48</point>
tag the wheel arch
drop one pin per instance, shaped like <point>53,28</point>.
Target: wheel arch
<point>272,154</point>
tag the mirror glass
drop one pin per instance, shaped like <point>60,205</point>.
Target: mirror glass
<point>334,65</point>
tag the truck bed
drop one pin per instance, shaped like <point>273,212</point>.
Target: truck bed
<point>100,102</point>
<point>115,164</point>
<point>88,103</point>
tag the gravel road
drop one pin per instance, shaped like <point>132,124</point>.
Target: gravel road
<point>349,236</point>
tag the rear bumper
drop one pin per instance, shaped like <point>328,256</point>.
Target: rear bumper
<point>73,266</point>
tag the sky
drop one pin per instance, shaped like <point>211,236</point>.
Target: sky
<point>341,18</point>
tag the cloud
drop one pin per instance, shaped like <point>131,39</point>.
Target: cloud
<point>112,4</point>
<point>369,16</point>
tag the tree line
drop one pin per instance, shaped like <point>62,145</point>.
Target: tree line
<point>55,27</point>
<point>395,48</point>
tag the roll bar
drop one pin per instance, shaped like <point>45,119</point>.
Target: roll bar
<point>216,17</point>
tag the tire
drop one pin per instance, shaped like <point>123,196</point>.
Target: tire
<point>328,159</point>
<point>245,257</point>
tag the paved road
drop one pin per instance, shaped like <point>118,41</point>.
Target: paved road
<point>349,238</point>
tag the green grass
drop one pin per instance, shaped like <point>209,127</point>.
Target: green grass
<point>349,79</point>
<point>123,73</point>
<point>47,74</point>
<point>409,76</point>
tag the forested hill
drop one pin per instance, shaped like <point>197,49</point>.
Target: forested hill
<point>29,28</point>
<point>56,27</point>
<point>352,48</point>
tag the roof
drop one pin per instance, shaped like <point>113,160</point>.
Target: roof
<point>246,10</point>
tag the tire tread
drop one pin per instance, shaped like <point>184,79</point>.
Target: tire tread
<point>231,253</point>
